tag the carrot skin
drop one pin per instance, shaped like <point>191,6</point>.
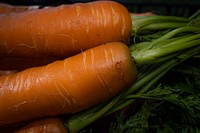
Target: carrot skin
<point>64,30</point>
<point>44,125</point>
<point>67,86</point>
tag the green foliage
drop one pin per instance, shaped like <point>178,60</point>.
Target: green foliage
<point>172,106</point>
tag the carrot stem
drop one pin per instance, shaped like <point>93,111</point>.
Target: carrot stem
<point>175,32</point>
<point>162,26</point>
<point>163,52</point>
<point>165,46</point>
<point>83,119</point>
<point>138,24</point>
<point>195,15</point>
<point>152,19</point>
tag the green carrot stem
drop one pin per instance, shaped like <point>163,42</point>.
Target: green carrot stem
<point>156,53</point>
<point>184,29</point>
<point>158,18</point>
<point>145,45</point>
<point>179,39</point>
<point>151,52</point>
<point>83,119</point>
<point>183,40</point>
<point>195,15</point>
<point>152,36</point>
<point>161,26</point>
<point>138,96</point>
<point>137,24</point>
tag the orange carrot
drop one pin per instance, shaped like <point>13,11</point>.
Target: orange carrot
<point>19,64</point>
<point>45,125</point>
<point>67,86</point>
<point>7,8</point>
<point>64,30</point>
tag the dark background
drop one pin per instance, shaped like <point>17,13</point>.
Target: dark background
<point>182,8</point>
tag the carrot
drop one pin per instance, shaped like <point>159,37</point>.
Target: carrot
<point>67,86</point>
<point>64,30</point>
<point>44,125</point>
<point>19,64</point>
<point>7,8</point>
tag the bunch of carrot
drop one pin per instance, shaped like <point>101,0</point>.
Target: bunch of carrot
<point>92,61</point>
<point>82,36</point>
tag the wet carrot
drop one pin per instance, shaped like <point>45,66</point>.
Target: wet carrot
<point>7,8</point>
<point>67,86</point>
<point>44,125</point>
<point>64,30</point>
